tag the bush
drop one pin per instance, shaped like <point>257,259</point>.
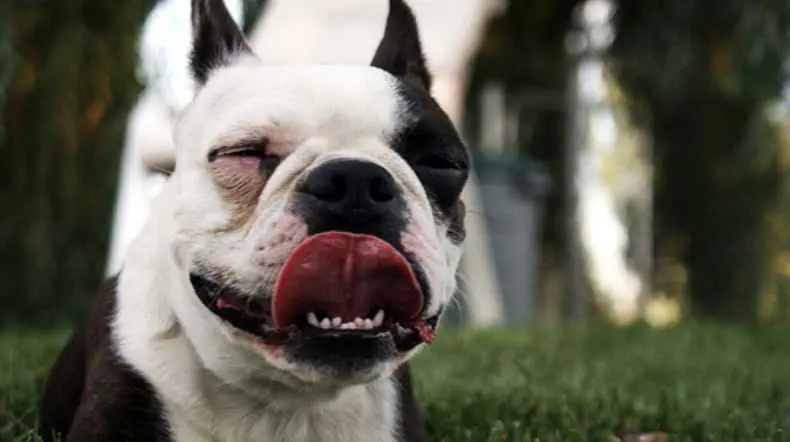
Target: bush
<point>697,383</point>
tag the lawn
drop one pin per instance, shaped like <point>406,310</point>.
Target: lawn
<point>696,383</point>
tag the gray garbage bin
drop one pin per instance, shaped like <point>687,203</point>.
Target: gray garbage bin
<point>513,192</point>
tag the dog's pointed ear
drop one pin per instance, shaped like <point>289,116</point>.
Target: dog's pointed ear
<point>400,51</point>
<point>216,39</point>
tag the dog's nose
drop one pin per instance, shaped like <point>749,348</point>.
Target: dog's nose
<point>353,189</point>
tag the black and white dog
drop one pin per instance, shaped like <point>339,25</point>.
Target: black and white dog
<point>300,254</point>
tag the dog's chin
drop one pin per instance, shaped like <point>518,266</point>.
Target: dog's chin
<point>315,348</point>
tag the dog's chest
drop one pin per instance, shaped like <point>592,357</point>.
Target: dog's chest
<point>357,416</point>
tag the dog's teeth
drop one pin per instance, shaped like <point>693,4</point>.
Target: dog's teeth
<point>378,319</point>
<point>325,323</point>
<point>367,324</point>
<point>359,322</point>
<point>336,322</point>
<point>348,326</point>
<point>312,319</point>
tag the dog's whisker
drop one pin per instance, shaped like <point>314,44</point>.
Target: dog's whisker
<point>455,301</point>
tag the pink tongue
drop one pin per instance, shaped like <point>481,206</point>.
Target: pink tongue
<point>346,275</point>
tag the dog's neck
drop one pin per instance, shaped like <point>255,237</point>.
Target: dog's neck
<point>201,407</point>
<point>363,413</point>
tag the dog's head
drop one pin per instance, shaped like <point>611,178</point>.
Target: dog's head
<point>316,208</point>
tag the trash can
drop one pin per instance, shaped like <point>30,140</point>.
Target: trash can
<point>513,192</point>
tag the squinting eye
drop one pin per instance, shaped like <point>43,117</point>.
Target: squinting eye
<point>437,162</point>
<point>254,150</point>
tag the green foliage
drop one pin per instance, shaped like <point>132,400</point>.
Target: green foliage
<point>699,78</point>
<point>7,61</point>
<point>738,48</point>
<point>24,361</point>
<point>64,118</point>
<point>697,383</point>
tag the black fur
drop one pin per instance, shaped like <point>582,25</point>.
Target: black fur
<point>400,51</point>
<point>343,353</point>
<point>92,395</point>
<point>429,142</point>
<point>217,40</point>
<point>412,428</point>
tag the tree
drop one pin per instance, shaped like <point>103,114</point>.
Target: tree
<point>700,78</point>
<point>64,118</point>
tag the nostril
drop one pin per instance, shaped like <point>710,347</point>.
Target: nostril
<point>381,191</point>
<point>332,189</point>
<point>338,188</point>
<point>345,184</point>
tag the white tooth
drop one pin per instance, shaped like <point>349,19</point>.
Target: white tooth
<point>312,319</point>
<point>358,322</point>
<point>367,324</point>
<point>378,319</point>
<point>325,323</point>
<point>348,326</point>
<point>336,322</point>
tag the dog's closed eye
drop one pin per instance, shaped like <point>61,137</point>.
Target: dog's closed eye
<point>240,171</point>
<point>256,149</point>
<point>439,162</point>
<point>245,158</point>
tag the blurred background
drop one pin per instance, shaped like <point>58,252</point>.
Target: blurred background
<point>631,157</point>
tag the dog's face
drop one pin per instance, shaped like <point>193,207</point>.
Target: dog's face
<point>316,209</point>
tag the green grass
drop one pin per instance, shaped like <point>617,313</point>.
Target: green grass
<point>697,383</point>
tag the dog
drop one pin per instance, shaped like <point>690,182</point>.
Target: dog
<point>300,254</point>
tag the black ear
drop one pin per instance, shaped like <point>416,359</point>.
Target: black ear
<point>216,40</point>
<point>400,51</point>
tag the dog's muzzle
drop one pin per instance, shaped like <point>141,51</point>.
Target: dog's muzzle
<point>348,295</point>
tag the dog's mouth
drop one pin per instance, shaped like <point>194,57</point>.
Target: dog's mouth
<point>335,286</point>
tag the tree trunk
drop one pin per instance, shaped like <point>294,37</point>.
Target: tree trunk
<point>716,189</point>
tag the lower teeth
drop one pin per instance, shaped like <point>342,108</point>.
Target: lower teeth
<point>337,323</point>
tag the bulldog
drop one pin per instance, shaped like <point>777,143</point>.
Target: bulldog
<point>299,256</point>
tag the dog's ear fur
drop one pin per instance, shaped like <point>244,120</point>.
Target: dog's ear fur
<point>216,41</point>
<point>400,50</point>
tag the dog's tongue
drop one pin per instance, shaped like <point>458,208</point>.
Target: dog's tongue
<point>346,275</point>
